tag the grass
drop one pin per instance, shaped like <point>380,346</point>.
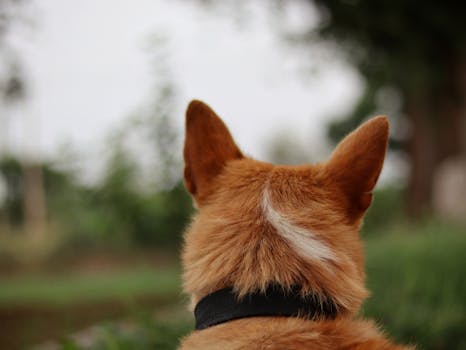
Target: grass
<point>415,273</point>
<point>85,287</point>
<point>149,333</point>
<point>35,308</point>
<point>417,279</point>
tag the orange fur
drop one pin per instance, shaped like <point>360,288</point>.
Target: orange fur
<point>231,243</point>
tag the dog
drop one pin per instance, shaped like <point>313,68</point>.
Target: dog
<point>272,259</point>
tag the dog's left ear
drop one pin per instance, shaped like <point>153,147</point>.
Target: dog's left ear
<point>208,147</point>
<point>356,163</point>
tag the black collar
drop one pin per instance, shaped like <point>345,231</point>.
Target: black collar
<point>223,306</point>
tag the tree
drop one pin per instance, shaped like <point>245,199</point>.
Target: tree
<point>12,86</point>
<point>417,49</point>
<point>13,91</point>
<point>141,195</point>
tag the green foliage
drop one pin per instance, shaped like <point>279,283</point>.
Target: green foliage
<point>388,39</point>
<point>416,276</point>
<point>385,211</point>
<point>117,215</point>
<point>10,170</point>
<point>126,207</point>
<point>167,212</point>
<point>139,199</point>
<point>122,284</point>
<point>148,334</point>
<point>111,213</point>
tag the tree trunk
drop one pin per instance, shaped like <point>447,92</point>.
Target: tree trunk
<point>438,121</point>
<point>452,112</point>
<point>34,200</point>
<point>421,149</point>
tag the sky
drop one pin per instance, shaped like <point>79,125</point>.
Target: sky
<point>90,64</point>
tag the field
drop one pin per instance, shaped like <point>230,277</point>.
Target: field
<point>416,275</point>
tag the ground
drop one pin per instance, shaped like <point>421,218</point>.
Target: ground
<point>416,275</point>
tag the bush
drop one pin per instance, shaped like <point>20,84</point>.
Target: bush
<point>386,210</point>
<point>416,276</point>
<point>148,333</point>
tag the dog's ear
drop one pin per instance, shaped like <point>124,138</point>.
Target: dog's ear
<point>208,147</point>
<point>356,162</point>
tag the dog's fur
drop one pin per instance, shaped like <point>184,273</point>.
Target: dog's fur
<point>259,223</point>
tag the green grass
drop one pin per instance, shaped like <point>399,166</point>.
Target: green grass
<point>415,273</point>
<point>150,333</point>
<point>416,276</point>
<point>417,279</point>
<point>85,287</point>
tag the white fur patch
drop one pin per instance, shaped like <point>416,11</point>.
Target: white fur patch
<point>302,240</point>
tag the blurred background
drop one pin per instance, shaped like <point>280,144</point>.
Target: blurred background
<point>92,100</point>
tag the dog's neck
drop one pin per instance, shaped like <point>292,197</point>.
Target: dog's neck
<point>224,305</point>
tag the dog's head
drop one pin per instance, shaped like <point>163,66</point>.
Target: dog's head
<point>259,224</point>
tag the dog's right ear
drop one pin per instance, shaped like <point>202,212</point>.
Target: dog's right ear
<point>208,147</point>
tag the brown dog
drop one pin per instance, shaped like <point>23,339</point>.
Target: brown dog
<point>273,259</point>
